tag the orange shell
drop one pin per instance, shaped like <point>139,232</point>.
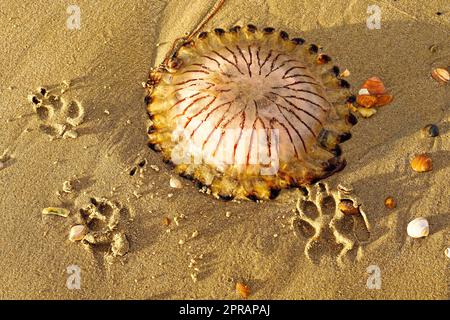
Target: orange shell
<point>440,75</point>
<point>375,86</point>
<point>243,290</point>
<point>366,101</point>
<point>390,203</point>
<point>421,163</point>
<point>346,206</point>
<point>383,100</point>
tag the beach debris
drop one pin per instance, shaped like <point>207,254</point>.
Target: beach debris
<point>418,228</point>
<point>344,74</point>
<point>228,214</point>
<point>430,130</point>
<point>77,232</point>
<point>243,290</point>
<point>441,75</point>
<point>120,245</point>
<point>447,252</point>
<point>372,94</point>
<point>347,207</point>
<point>194,234</point>
<point>390,203</point>
<point>167,221</point>
<point>70,134</point>
<point>67,187</point>
<point>62,212</point>
<point>421,163</point>
<point>175,183</point>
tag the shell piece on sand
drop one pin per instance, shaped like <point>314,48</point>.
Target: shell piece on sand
<point>62,212</point>
<point>422,163</point>
<point>418,228</point>
<point>243,290</point>
<point>447,252</point>
<point>77,233</point>
<point>175,183</point>
<point>249,112</point>
<point>441,75</point>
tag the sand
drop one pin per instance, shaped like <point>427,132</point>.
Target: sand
<point>97,73</point>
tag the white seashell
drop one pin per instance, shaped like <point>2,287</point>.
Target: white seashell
<point>77,233</point>
<point>418,228</point>
<point>175,183</point>
<point>447,252</point>
<point>363,92</point>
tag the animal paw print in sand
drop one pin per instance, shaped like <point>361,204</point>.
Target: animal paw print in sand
<point>325,230</point>
<point>57,116</point>
<point>105,231</point>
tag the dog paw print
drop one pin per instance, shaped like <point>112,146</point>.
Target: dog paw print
<point>57,116</point>
<point>105,230</point>
<point>330,225</point>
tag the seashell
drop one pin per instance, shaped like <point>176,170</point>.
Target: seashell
<point>243,290</point>
<point>421,163</point>
<point>390,203</point>
<point>383,100</point>
<point>447,252</point>
<point>375,86</point>
<point>441,75</point>
<point>430,130</point>
<point>167,221</point>
<point>366,113</point>
<point>77,233</point>
<point>418,228</point>
<point>344,74</point>
<point>62,212</point>
<point>175,183</point>
<point>346,206</point>
<point>366,101</point>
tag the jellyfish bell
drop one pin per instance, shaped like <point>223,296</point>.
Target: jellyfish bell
<point>249,112</point>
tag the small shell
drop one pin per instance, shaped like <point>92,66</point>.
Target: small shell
<point>421,163</point>
<point>418,228</point>
<point>430,130</point>
<point>383,100</point>
<point>77,233</point>
<point>344,74</point>
<point>167,221</point>
<point>375,86</point>
<point>390,203</point>
<point>346,206</point>
<point>366,101</point>
<point>62,212</point>
<point>175,183</point>
<point>243,290</point>
<point>366,113</point>
<point>441,75</point>
<point>447,252</point>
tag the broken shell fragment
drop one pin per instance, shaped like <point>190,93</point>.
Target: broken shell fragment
<point>430,130</point>
<point>62,212</point>
<point>243,290</point>
<point>366,113</point>
<point>175,183</point>
<point>347,208</point>
<point>77,233</point>
<point>421,163</point>
<point>441,75</point>
<point>418,228</point>
<point>375,86</point>
<point>447,252</point>
<point>390,203</point>
<point>366,101</point>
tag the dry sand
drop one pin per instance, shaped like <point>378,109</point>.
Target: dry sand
<point>107,60</point>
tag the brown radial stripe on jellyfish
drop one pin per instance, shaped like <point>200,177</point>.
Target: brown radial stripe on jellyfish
<point>248,112</point>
